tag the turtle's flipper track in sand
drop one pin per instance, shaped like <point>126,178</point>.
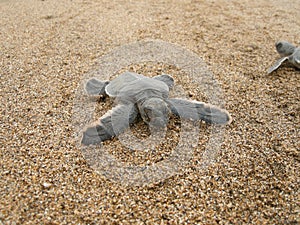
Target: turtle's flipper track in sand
<point>113,123</point>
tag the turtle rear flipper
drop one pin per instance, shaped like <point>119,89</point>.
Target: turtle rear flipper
<point>277,64</point>
<point>113,123</point>
<point>167,79</point>
<point>199,111</point>
<point>95,87</point>
<point>95,135</point>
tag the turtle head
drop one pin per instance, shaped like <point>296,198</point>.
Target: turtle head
<point>155,112</point>
<point>285,48</point>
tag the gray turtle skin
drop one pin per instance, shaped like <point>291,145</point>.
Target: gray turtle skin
<point>288,52</point>
<point>148,97</point>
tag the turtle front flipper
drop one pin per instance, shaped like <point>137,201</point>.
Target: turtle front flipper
<point>277,64</point>
<point>96,87</point>
<point>199,111</point>
<point>167,79</point>
<point>113,123</point>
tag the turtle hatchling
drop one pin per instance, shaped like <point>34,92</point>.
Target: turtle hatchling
<point>288,52</point>
<point>135,95</point>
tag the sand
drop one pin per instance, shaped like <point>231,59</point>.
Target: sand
<point>48,47</point>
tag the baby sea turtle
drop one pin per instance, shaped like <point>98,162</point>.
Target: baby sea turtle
<point>136,94</point>
<point>288,52</point>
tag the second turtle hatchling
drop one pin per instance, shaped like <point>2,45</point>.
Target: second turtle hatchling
<point>288,52</point>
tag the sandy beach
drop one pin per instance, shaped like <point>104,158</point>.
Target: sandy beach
<point>49,47</point>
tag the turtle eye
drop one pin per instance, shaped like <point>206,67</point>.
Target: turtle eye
<point>148,112</point>
<point>146,115</point>
<point>167,111</point>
